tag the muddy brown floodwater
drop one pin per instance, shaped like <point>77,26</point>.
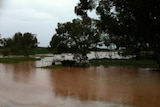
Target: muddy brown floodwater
<point>24,85</point>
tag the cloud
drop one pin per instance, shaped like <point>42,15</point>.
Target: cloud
<point>27,15</point>
<point>35,16</point>
<point>40,9</point>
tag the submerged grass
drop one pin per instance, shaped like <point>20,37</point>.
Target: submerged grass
<point>17,59</point>
<point>125,62</point>
<point>142,63</point>
<point>145,63</point>
<point>53,66</point>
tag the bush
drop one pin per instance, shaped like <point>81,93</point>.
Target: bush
<point>69,63</point>
<point>83,63</point>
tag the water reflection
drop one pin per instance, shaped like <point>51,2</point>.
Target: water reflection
<point>117,85</point>
<point>24,85</point>
<point>23,71</point>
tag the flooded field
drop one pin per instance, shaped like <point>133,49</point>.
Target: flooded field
<point>25,85</point>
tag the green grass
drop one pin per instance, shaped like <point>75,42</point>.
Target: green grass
<point>41,50</point>
<point>143,63</point>
<point>38,50</point>
<point>17,59</point>
<point>125,62</point>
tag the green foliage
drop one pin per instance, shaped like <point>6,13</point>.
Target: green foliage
<point>83,6</point>
<point>75,37</point>
<point>133,25</point>
<point>83,64</point>
<point>19,44</point>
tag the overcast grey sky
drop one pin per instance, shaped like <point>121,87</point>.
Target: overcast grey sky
<point>36,16</point>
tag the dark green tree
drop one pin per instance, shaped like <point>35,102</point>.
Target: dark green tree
<point>29,43</point>
<point>19,44</point>
<point>6,43</point>
<point>75,37</point>
<point>17,40</point>
<point>131,24</point>
<point>57,44</point>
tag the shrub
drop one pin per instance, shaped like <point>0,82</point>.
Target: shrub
<point>83,63</point>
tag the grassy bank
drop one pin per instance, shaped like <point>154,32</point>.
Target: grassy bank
<point>41,50</point>
<point>37,50</point>
<point>17,59</point>
<point>143,63</point>
<point>125,62</point>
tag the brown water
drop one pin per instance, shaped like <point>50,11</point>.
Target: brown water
<point>24,85</point>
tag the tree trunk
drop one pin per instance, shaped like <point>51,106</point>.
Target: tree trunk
<point>137,54</point>
<point>157,55</point>
<point>84,54</point>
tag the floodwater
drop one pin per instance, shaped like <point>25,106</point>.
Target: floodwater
<point>24,85</point>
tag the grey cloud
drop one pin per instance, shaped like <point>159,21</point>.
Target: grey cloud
<point>36,16</point>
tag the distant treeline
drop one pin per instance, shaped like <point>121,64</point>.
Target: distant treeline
<point>21,44</point>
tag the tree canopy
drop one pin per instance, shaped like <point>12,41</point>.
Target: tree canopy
<point>75,37</point>
<point>132,24</point>
<point>19,44</point>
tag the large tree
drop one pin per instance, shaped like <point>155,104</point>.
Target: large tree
<point>75,37</point>
<point>132,24</point>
